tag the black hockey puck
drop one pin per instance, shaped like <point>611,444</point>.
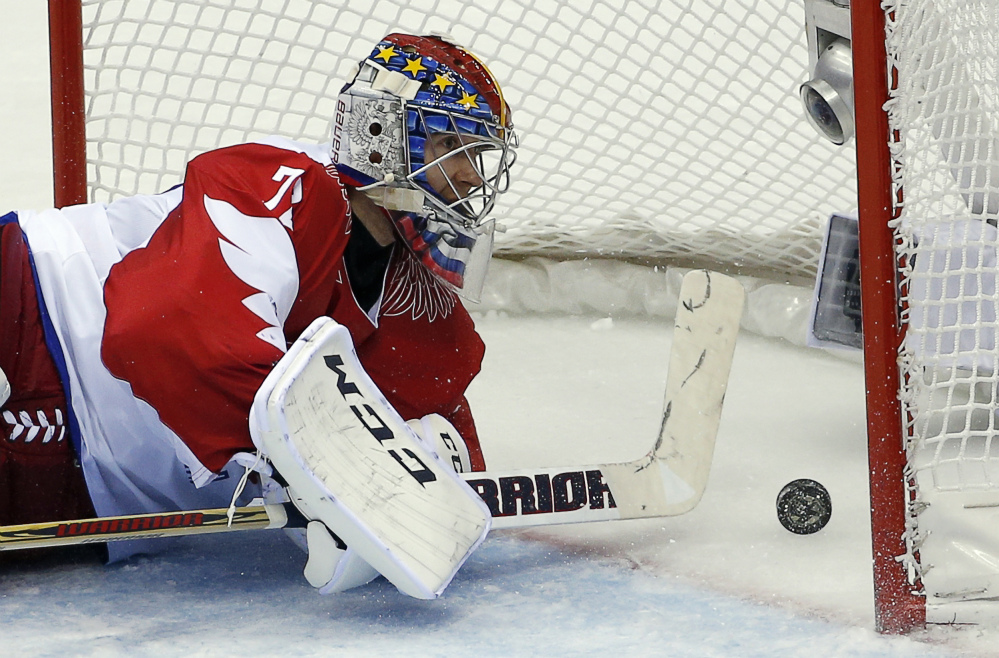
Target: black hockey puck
<point>804,506</point>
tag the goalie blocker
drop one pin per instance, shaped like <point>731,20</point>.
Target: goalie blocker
<point>352,463</point>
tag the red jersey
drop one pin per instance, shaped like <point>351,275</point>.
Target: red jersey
<point>170,311</point>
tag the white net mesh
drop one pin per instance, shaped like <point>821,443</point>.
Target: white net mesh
<point>947,169</point>
<point>667,131</point>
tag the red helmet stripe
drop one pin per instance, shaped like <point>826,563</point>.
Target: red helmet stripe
<point>463,63</point>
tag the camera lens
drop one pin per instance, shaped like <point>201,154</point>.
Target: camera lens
<point>828,97</point>
<point>822,114</point>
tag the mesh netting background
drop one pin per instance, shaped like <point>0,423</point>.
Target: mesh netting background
<point>947,156</point>
<point>946,175</point>
<point>655,130</point>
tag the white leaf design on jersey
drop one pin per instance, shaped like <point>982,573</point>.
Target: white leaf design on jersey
<point>260,253</point>
<point>416,290</point>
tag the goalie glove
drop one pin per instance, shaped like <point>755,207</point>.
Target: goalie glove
<point>440,436</point>
<point>352,463</point>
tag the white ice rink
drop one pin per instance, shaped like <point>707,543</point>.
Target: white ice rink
<point>557,388</point>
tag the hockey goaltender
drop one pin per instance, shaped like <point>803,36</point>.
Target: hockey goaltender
<point>280,312</point>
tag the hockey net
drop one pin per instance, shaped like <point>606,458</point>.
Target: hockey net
<point>665,132</point>
<point>944,159</point>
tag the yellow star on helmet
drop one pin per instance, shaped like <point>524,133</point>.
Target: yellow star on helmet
<point>468,101</point>
<point>385,53</point>
<point>441,82</point>
<point>414,66</point>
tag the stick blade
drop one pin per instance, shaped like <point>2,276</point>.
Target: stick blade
<point>672,478</point>
<point>704,336</point>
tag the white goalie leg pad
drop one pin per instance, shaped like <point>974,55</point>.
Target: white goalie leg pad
<point>351,571</point>
<point>351,462</point>
<point>443,440</point>
<point>325,553</point>
<point>332,569</point>
<point>4,388</point>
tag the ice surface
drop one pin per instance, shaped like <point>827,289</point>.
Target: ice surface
<point>243,594</point>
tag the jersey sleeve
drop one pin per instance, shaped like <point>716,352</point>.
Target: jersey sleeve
<point>199,316</point>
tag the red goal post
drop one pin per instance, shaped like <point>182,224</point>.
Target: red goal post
<point>898,608</point>
<point>927,104</point>
<point>69,136</point>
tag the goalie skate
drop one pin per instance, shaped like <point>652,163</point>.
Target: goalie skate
<point>351,462</point>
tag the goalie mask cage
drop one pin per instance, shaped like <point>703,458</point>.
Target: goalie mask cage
<point>664,132</point>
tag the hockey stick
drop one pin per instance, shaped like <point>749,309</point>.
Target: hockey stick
<point>671,478</point>
<point>668,481</point>
<point>140,526</point>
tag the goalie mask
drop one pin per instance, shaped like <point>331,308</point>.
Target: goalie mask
<point>423,129</point>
